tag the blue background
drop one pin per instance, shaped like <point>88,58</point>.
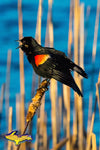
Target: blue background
<point>9,32</point>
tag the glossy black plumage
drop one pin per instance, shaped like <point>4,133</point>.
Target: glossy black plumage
<point>57,65</point>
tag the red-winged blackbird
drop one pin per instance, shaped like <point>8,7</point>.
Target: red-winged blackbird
<point>50,63</point>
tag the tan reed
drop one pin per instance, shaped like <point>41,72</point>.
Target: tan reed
<point>96,31</point>
<point>76,33</point>
<point>60,144</point>
<point>90,130</point>
<point>21,63</point>
<point>10,127</point>
<point>7,82</point>
<point>2,97</point>
<point>97,92</point>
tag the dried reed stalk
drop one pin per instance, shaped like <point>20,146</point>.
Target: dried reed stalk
<point>93,136</point>
<point>70,29</point>
<point>18,112</point>
<point>2,97</point>
<point>53,96</point>
<point>67,107</point>
<point>89,136</point>
<point>50,25</point>
<point>59,115</point>
<point>18,118</point>
<point>37,146</point>
<point>38,26</point>
<point>97,92</point>
<point>10,127</point>
<point>82,35</point>
<point>76,32</point>
<point>43,132</point>
<point>21,57</point>
<point>89,112</point>
<point>96,31</point>
<point>45,144</point>
<point>22,87</point>
<point>14,147</point>
<point>60,144</point>
<point>78,20</point>
<point>81,62</point>
<point>49,39</point>
<point>7,83</point>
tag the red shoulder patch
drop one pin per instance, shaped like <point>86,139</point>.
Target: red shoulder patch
<point>40,59</point>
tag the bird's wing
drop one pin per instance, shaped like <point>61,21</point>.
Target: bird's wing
<point>66,61</point>
<point>55,68</point>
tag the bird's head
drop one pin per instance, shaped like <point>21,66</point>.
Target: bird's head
<point>27,44</point>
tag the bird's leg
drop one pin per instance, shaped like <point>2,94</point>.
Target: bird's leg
<point>43,86</point>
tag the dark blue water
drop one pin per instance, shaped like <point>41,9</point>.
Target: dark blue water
<point>60,17</point>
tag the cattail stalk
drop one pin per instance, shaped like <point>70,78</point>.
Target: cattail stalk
<point>35,104</point>
<point>36,101</point>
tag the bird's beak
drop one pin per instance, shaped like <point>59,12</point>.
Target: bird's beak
<point>19,45</point>
<point>18,40</point>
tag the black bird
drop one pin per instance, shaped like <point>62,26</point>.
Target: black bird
<point>50,63</point>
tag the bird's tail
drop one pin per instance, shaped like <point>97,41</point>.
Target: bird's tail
<point>76,88</point>
<point>78,69</point>
<point>68,80</point>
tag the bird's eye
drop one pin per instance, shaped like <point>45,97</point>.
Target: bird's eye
<point>23,41</point>
<point>26,45</point>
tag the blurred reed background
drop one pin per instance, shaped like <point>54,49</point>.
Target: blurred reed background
<point>63,134</point>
